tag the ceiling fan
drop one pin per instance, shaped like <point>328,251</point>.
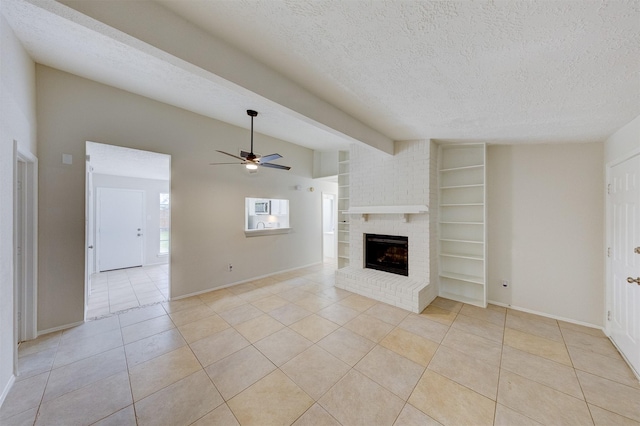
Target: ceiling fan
<point>249,159</point>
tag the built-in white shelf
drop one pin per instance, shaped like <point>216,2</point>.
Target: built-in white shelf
<point>462,223</point>
<point>463,277</point>
<point>462,256</point>
<point>461,186</point>
<point>343,208</point>
<point>453,169</point>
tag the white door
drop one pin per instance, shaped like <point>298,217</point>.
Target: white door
<point>624,277</point>
<point>120,230</point>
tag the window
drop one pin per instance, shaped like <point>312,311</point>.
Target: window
<point>164,223</point>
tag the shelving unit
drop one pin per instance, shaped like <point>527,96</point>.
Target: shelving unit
<point>343,208</point>
<point>462,249</point>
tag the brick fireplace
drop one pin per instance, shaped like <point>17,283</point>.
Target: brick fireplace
<point>393,182</point>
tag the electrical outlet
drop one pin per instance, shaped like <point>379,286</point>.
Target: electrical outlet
<point>505,283</point>
<point>230,267</point>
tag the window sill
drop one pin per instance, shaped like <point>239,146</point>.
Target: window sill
<point>268,231</point>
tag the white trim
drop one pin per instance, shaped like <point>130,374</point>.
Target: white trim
<point>635,372</point>
<point>61,327</point>
<point>30,249</point>
<point>542,314</point>
<point>415,209</point>
<point>7,388</point>
<point>244,281</point>
<point>266,231</point>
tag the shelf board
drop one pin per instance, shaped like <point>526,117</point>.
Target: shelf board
<point>461,241</point>
<point>473,166</point>
<point>463,299</point>
<point>343,257</point>
<point>463,256</point>
<point>474,185</point>
<point>461,223</point>
<point>343,242</point>
<point>462,277</point>
<point>415,209</point>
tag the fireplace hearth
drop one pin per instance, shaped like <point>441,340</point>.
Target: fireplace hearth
<point>388,253</point>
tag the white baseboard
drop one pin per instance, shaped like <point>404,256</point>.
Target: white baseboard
<point>542,314</point>
<point>197,293</point>
<point>6,389</point>
<point>62,327</point>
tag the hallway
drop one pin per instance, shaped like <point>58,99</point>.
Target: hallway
<point>122,289</point>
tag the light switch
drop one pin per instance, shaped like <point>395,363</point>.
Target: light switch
<point>67,159</point>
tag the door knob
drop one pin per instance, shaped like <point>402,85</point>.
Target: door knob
<point>636,250</point>
<point>90,247</point>
<point>631,280</point>
<point>139,235</point>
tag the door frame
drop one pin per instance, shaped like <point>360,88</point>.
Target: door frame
<point>609,243</point>
<point>97,222</point>
<point>25,284</point>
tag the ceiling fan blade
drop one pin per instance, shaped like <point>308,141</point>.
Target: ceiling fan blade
<point>274,166</point>
<point>270,157</point>
<point>217,164</point>
<point>230,155</point>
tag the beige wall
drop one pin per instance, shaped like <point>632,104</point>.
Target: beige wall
<point>17,123</point>
<point>207,202</point>
<point>546,229</point>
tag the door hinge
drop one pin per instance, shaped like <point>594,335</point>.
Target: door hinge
<point>609,189</point>
<point>608,251</point>
<point>19,185</point>
<point>88,157</point>
<point>608,315</point>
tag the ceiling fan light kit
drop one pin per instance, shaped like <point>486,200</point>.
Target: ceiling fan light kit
<point>249,159</point>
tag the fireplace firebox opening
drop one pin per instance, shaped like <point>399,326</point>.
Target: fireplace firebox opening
<point>389,253</point>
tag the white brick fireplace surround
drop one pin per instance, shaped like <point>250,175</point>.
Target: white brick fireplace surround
<point>378,180</point>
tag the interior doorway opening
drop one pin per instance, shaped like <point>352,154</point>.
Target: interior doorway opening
<point>329,226</point>
<point>128,213</point>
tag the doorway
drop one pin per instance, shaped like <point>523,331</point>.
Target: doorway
<point>329,225</point>
<point>623,276</point>
<point>127,228</point>
<point>25,245</point>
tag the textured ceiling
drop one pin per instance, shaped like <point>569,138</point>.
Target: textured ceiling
<point>501,72</point>
<point>532,71</point>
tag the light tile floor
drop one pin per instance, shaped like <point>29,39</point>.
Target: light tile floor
<point>122,289</point>
<point>293,349</point>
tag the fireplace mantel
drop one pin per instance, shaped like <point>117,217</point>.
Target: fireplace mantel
<point>403,210</point>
